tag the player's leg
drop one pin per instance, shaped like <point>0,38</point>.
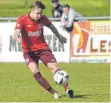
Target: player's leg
<point>32,63</point>
<point>54,68</point>
<point>48,59</point>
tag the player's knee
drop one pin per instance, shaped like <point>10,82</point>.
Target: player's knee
<point>33,67</point>
<point>53,66</point>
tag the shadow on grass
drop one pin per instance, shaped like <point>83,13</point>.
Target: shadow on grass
<point>86,95</point>
<point>77,96</point>
<point>80,96</point>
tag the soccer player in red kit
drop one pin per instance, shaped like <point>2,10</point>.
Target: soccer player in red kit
<point>35,47</point>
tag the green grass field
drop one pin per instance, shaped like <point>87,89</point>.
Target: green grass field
<point>14,8</point>
<point>91,83</point>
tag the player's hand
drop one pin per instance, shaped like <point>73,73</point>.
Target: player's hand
<point>62,39</point>
<point>19,40</point>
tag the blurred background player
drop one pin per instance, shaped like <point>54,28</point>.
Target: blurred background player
<point>68,17</point>
<point>35,47</point>
<point>57,9</point>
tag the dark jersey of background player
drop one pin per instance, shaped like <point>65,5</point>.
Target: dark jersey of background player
<point>57,9</point>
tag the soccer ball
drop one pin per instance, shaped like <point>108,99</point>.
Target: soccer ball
<point>61,77</point>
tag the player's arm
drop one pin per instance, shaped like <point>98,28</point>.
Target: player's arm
<point>18,28</point>
<point>48,23</point>
<point>17,35</point>
<point>55,31</point>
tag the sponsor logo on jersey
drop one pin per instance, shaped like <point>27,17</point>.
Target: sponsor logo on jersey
<point>28,25</point>
<point>37,33</point>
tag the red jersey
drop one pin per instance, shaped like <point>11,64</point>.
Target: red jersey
<point>32,32</point>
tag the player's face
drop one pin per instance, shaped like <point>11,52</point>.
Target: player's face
<point>55,4</point>
<point>66,10</point>
<point>37,13</point>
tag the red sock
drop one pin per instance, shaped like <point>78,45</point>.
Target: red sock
<point>65,87</point>
<point>43,82</point>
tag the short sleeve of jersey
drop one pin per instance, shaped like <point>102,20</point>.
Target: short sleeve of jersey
<point>19,23</point>
<point>46,21</point>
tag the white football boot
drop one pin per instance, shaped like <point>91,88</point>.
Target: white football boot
<point>56,96</point>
